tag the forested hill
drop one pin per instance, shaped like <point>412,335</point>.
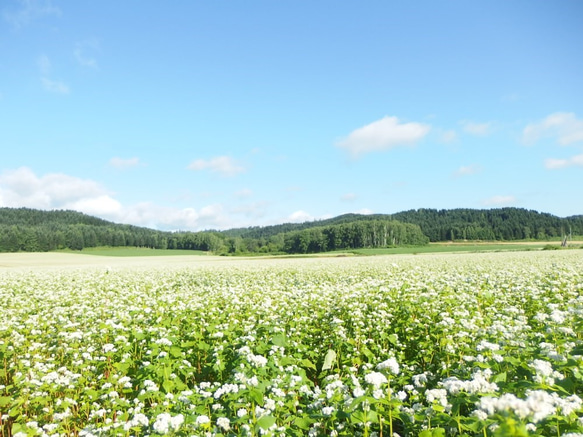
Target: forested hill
<point>449,224</point>
<point>33,230</point>
<point>490,224</point>
<point>30,230</point>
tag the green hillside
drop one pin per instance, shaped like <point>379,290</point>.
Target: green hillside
<point>31,230</point>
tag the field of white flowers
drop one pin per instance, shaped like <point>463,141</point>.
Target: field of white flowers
<point>428,345</point>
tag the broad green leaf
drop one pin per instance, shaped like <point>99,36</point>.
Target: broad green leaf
<point>307,363</point>
<point>256,396</point>
<point>266,422</point>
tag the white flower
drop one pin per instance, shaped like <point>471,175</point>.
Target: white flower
<point>390,364</point>
<point>327,411</point>
<point>202,420</point>
<point>108,347</point>
<point>376,379</point>
<point>223,422</point>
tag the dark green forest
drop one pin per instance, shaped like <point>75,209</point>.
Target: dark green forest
<point>31,230</point>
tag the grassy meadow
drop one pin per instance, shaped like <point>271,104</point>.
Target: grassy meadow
<point>464,344</point>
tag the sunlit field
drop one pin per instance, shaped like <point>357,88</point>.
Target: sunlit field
<point>487,344</point>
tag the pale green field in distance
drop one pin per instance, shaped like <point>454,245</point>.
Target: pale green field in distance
<point>133,251</point>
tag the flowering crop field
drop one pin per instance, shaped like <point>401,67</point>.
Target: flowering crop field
<point>427,345</point>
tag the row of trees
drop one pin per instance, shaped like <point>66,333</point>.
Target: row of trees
<point>354,235</point>
<point>490,224</point>
<point>32,230</point>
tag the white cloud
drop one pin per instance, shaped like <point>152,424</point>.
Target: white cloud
<point>573,161</point>
<point>466,170</point>
<point>565,127</point>
<point>383,134</point>
<point>22,187</point>
<point>499,201</point>
<point>299,217</point>
<point>364,211</point>
<point>223,165</point>
<point>121,163</point>
<point>29,11</point>
<point>480,129</point>
<point>84,52</point>
<point>54,86</point>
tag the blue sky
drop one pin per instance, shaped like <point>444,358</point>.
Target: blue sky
<point>215,114</point>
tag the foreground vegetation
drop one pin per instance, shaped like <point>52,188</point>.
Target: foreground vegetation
<point>475,345</point>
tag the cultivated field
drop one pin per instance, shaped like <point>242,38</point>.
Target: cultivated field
<point>486,344</point>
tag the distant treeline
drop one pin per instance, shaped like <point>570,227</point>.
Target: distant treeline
<point>501,224</point>
<point>31,230</point>
<point>353,235</point>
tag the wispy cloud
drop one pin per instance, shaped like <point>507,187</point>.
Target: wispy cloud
<point>243,193</point>
<point>564,127</point>
<point>55,86</point>
<point>573,161</point>
<point>121,163</point>
<point>223,165</point>
<point>84,53</point>
<point>479,129</point>
<point>28,11</point>
<point>448,136</point>
<point>348,197</point>
<point>383,134</point>
<point>50,85</point>
<point>499,201</point>
<point>44,65</point>
<point>466,170</point>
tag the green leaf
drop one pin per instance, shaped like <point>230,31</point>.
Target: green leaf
<point>203,346</point>
<point>175,352</point>
<point>266,422</point>
<point>256,396</point>
<point>279,340</point>
<point>437,407</point>
<point>302,423</point>
<point>329,359</point>
<point>168,385</point>
<point>5,400</point>
<point>501,377</point>
<point>307,363</point>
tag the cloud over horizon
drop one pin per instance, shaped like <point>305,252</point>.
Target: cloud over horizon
<point>383,134</point>
<point>499,201</point>
<point>22,188</point>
